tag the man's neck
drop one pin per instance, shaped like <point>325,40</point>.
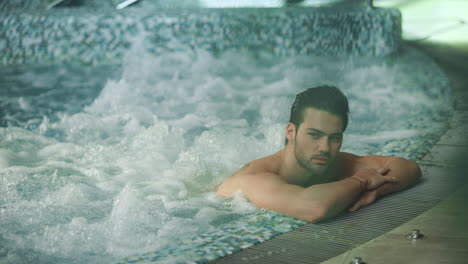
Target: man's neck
<point>293,173</point>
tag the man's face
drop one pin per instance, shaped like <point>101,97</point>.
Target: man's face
<point>318,140</point>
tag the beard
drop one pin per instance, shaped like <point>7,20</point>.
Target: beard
<point>306,162</point>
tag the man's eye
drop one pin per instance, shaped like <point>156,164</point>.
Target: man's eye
<point>315,135</point>
<point>336,139</point>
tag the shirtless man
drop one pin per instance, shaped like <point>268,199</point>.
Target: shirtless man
<point>310,179</point>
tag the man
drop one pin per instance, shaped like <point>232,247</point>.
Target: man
<point>310,179</point>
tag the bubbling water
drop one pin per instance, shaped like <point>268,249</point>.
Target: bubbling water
<point>136,168</point>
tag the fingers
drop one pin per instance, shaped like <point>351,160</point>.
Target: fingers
<point>355,207</point>
<point>360,203</point>
<point>366,199</point>
<point>391,179</point>
<point>379,180</point>
<point>374,178</point>
<point>383,170</point>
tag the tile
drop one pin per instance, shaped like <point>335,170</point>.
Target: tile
<point>462,106</point>
<point>459,117</point>
<point>448,154</point>
<point>455,136</point>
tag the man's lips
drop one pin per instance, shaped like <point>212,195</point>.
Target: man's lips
<point>321,160</point>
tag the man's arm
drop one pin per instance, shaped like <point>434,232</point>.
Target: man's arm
<point>310,204</point>
<point>404,171</point>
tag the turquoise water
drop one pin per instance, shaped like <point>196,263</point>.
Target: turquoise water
<point>100,163</point>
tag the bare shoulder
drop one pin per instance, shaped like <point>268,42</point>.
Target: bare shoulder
<point>346,157</point>
<point>347,164</point>
<point>351,163</point>
<point>247,182</point>
<point>376,161</point>
<point>253,173</point>
<point>349,160</point>
<point>365,160</point>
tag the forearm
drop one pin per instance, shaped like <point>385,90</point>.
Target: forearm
<point>406,173</point>
<point>334,197</point>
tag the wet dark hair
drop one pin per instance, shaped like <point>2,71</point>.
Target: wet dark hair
<point>325,98</point>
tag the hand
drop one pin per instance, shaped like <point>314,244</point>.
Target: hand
<point>366,198</point>
<point>373,178</point>
<point>383,171</point>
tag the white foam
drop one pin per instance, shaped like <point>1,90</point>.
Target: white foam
<point>5,156</point>
<point>137,168</point>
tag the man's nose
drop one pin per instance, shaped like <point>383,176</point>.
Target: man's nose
<point>324,146</point>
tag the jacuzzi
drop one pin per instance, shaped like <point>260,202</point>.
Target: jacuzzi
<point>116,126</point>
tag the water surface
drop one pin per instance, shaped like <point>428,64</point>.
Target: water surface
<point>98,163</point>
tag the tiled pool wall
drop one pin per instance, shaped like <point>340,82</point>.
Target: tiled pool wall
<point>94,34</point>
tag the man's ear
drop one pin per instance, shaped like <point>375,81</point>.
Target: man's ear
<point>291,132</point>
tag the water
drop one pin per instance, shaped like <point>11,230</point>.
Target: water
<point>100,163</point>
